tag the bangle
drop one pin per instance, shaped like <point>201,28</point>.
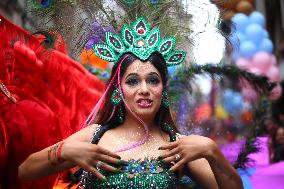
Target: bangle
<point>58,157</point>
<point>53,154</point>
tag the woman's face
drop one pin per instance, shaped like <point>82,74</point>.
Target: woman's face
<point>142,89</point>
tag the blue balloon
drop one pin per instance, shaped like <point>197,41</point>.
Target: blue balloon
<point>247,49</point>
<point>237,38</point>
<point>257,18</point>
<point>265,34</point>
<point>254,33</point>
<point>266,45</point>
<point>241,21</point>
<point>233,102</point>
<point>241,36</point>
<point>228,94</point>
<point>237,100</point>
<point>234,40</point>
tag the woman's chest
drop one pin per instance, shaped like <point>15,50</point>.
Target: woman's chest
<point>147,150</point>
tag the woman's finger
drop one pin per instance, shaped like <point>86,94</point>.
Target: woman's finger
<point>178,165</point>
<point>169,146</point>
<point>107,152</point>
<point>107,167</point>
<point>109,159</point>
<point>173,158</point>
<point>170,153</point>
<point>95,172</point>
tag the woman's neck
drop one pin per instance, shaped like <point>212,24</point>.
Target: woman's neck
<point>133,124</point>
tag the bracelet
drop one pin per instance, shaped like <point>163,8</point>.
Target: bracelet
<point>58,153</point>
<point>54,153</point>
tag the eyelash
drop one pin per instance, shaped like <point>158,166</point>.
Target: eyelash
<point>151,80</point>
<point>132,81</point>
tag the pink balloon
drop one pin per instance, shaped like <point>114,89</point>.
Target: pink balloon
<point>273,60</point>
<point>276,92</point>
<point>273,74</point>
<point>262,60</point>
<point>255,70</point>
<point>243,63</point>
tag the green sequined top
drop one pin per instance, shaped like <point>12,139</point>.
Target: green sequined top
<point>146,174</point>
<point>137,174</point>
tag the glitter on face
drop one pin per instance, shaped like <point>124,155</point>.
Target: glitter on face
<point>142,88</point>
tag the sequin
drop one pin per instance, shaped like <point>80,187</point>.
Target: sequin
<point>138,174</point>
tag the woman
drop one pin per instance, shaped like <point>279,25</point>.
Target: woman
<point>136,108</point>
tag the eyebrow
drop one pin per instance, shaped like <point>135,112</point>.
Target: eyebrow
<point>135,74</point>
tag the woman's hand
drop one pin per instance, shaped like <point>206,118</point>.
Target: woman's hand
<point>90,157</point>
<point>187,149</point>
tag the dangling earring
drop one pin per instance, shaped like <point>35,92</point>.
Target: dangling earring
<point>165,99</point>
<point>120,115</point>
<point>116,98</point>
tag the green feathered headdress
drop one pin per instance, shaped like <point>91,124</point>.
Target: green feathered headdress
<point>141,41</point>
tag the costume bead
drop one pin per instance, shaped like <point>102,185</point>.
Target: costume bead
<point>140,41</point>
<point>155,174</point>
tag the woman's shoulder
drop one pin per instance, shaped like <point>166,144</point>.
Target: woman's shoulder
<point>85,134</point>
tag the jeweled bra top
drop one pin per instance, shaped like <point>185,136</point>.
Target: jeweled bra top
<point>144,174</point>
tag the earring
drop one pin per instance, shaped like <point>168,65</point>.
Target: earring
<point>165,99</point>
<point>120,116</point>
<point>116,97</point>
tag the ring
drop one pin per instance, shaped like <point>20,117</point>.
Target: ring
<point>99,164</point>
<point>177,157</point>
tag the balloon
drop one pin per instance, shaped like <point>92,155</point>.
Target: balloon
<point>247,49</point>
<point>276,92</point>
<point>220,113</point>
<point>273,60</point>
<point>241,21</point>
<point>273,74</point>
<point>262,60</point>
<point>254,32</point>
<point>243,63</point>
<point>240,36</point>
<point>237,38</point>
<point>266,45</point>
<point>244,7</point>
<point>265,34</point>
<point>257,18</point>
<point>228,94</point>
<point>233,102</point>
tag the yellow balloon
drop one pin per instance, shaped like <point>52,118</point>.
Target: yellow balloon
<point>220,112</point>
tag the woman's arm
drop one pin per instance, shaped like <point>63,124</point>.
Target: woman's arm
<point>76,150</point>
<point>214,171</point>
<point>37,166</point>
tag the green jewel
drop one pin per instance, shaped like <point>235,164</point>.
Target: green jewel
<point>116,98</point>
<point>141,41</point>
<point>165,99</point>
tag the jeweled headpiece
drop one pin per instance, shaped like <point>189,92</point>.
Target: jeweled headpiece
<point>140,41</point>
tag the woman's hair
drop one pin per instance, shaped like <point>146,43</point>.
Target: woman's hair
<point>163,115</point>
